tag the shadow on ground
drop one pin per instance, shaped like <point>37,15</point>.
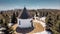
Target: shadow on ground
<point>24,30</point>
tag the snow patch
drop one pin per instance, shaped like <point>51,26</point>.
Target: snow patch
<point>44,32</point>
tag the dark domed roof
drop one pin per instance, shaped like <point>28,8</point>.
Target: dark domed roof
<point>24,14</point>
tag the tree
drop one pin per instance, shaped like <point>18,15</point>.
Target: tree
<point>59,27</point>
<point>1,21</point>
<point>13,19</point>
<point>1,12</point>
<point>53,23</point>
<point>6,18</point>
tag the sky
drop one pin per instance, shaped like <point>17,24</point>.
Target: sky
<point>29,4</point>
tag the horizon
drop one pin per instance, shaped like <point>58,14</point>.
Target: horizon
<point>29,4</point>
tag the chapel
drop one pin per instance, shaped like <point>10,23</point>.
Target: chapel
<point>25,20</point>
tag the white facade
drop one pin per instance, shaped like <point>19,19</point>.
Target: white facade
<point>43,19</point>
<point>24,23</point>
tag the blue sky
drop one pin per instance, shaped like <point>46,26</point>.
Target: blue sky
<point>29,4</point>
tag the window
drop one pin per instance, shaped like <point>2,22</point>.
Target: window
<point>31,21</point>
<point>19,23</point>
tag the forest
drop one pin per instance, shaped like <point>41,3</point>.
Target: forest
<point>52,18</point>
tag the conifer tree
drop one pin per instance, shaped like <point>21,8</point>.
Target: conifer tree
<point>13,19</point>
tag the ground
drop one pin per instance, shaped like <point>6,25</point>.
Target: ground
<point>37,28</point>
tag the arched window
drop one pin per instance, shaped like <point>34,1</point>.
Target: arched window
<point>19,23</point>
<point>31,21</point>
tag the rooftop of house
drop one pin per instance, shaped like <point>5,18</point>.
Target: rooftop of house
<point>24,14</point>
